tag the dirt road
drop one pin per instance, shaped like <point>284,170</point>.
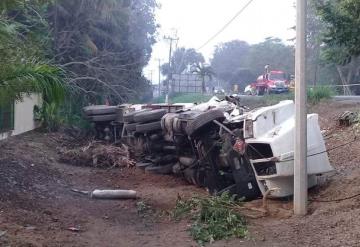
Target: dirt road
<point>37,207</point>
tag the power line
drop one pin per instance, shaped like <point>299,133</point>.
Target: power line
<point>226,25</point>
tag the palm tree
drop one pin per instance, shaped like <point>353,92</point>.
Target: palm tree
<point>17,80</point>
<point>204,71</point>
<point>21,71</point>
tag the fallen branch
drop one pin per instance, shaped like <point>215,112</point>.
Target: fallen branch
<point>97,154</point>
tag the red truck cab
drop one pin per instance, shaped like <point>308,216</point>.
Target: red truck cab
<point>273,82</point>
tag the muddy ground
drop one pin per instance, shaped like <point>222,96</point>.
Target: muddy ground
<point>37,207</point>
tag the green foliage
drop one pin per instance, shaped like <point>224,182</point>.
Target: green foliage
<point>143,208</point>
<point>105,44</point>
<point>71,111</point>
<point>205,72</point>
<point>49,116</point>
<point>237,62</point>
<point>92,49</point>
<point>342,35</point>
<point>184,98</point>
<point>228,58</point>
<point>21,79</point>
<point>214,218</point>
<point>23,67</point>
<point>273,52</point>
<point>316,94</point>
<point>182,58</point>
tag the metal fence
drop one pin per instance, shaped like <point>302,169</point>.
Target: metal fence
<point>186,83</point>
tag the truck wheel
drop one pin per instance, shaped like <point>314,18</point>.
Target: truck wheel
<point>260,91</point>
<point>202,120</point>
<point>131,127</point>
<point>129,117</point>
<point>148,127</point>
<point>149,116</point>
<point>163,170</point>
<point>143,165</point>
<point>102,118</point>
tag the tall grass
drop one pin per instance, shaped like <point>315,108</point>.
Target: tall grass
<point>317,94</point>
<point>184,98</point>
<point>314,95</point>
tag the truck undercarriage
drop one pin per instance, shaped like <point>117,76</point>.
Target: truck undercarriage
<point>222,146</point>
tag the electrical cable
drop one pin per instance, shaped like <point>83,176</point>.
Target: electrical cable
<point>335,200</point>
<point>327,150</point>
<point>216,34</point>
<point>311,155</point>
<point>226,25</point>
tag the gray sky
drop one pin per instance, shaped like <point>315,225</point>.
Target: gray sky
<point>197,20</point>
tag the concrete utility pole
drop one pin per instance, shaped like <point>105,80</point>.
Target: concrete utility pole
<point>171,39</point>
<point>159,61</point>
<point>300,146</point>
<point>151,77</point>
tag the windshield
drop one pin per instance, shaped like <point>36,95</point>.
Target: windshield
<point>277,76</point>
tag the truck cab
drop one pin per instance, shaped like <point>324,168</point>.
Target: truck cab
<point>273,82</point>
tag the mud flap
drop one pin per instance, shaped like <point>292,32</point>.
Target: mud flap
<point>245,181</point>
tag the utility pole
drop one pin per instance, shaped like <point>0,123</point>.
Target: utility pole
<point>159,61</point>
<point>151,77</point>
<point>171,39</point>
<point>300,145</point>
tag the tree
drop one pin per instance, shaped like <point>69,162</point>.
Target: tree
<point>237,62</point>
<point>342,37</point>
<point>24,68</point>
<point>181,59</point>
<point>104,45</point>
<point>273,52</point>
<point>204,71</point>
<point>228,58</point>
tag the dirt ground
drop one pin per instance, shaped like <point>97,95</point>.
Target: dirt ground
<point>38,208</point>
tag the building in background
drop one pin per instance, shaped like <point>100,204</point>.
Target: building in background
<point>18,117</point>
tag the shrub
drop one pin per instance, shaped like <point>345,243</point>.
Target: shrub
<point>214,218</point>
<point>316,94</point>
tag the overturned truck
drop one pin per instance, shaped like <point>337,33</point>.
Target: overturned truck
<point>223,146</point>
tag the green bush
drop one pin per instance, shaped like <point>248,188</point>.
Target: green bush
<point>214,218</point>
<point>49,116</point>
<point>316,94</point>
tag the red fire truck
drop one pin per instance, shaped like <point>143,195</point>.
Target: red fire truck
<point>275,81</point>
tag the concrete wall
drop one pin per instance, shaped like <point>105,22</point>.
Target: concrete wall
<point>23,116</point>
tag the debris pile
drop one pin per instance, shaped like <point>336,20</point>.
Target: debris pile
<point>348,118</point>
<point>97,154</point>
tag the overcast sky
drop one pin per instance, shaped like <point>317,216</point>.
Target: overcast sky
<point>198,20</point>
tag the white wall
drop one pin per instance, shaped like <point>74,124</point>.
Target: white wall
<point>24,115</point>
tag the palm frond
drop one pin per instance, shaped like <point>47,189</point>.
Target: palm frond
<point>17,81</point>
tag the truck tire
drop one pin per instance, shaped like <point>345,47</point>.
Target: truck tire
<point>262,91</point>
<point>131,127</point>
<point>143,165</point>
<point>187,161</point>
<point>163,170</point>
<point>149,116</point>
<point>99,110</point>
<point>148,127</point>
<point>102,118</point>
<point>129,117</point>
<point>169,158</point>
<point>202,120</point>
